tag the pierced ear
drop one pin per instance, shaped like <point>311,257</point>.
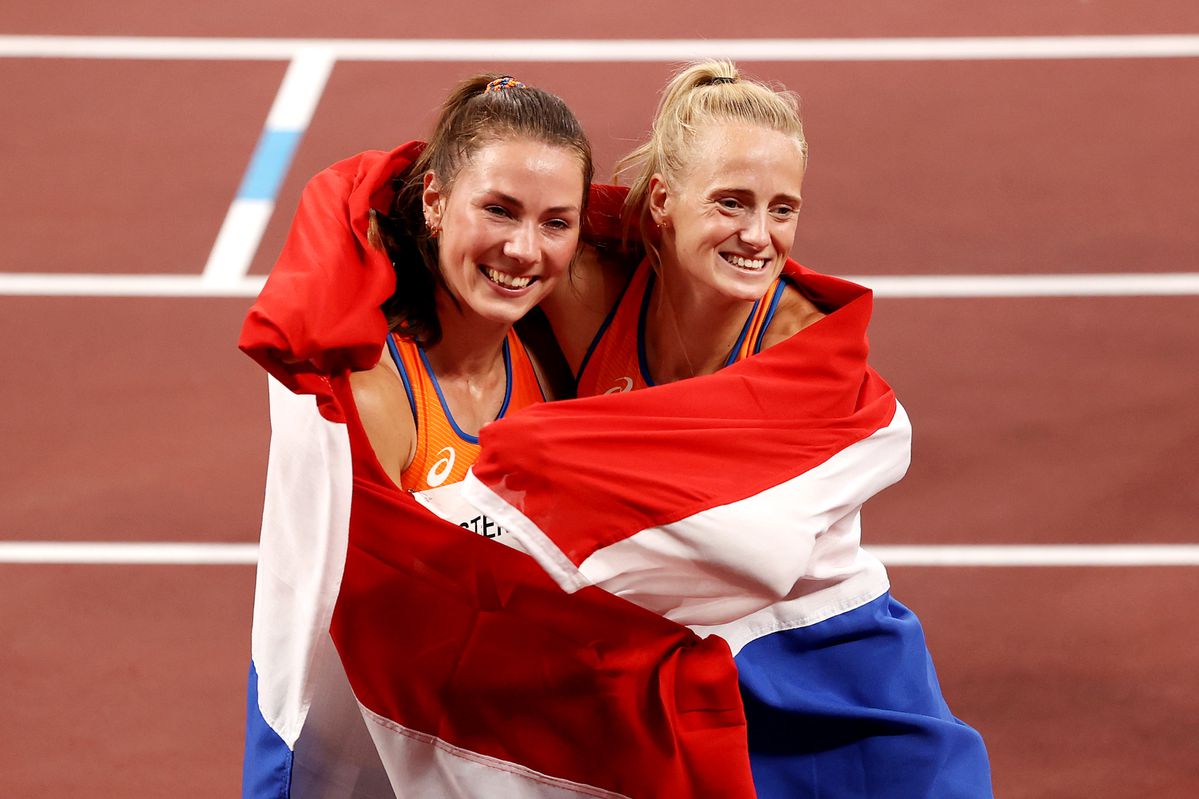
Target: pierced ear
<point>432,201</point>
<point>659,200</point>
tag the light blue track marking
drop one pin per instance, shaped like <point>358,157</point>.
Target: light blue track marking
<point>269,165</point>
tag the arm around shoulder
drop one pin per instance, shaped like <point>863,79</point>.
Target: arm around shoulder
<point>582,299</point>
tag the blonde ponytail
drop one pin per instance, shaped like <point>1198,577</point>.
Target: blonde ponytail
<point>699,94</point>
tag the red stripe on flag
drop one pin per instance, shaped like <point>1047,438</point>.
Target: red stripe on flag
<point>656,456</point>
<point>460,637</point>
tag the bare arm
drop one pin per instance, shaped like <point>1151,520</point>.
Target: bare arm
<point>386,416</point>
<point>580,302</point>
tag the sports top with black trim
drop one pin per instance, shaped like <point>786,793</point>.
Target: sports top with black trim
<point>616,360</point>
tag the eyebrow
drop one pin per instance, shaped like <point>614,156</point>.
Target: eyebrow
<point>749,192</point>
<point>510,200</point>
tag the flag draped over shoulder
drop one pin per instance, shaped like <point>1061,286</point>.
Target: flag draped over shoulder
<point>731,504</point>
<point>710,499</point>
<point>396,652</point>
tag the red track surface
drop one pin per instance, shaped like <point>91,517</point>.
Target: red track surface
<point>1037,420</point>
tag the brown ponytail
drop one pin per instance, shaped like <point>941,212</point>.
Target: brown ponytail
<point>471,118</point>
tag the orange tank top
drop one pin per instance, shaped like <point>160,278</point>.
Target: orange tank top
<point>443,451</point>
<point>616,360</point>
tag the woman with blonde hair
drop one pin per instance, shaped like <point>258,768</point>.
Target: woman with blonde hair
<point>714,201</point>
<point>730,503</point>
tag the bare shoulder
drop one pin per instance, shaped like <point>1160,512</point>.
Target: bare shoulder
<point>581,301</point>
<point>794,313</point>
<point>386,415</point>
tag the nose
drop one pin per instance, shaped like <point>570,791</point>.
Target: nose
<point>521,246</point>
<point>756,232</point>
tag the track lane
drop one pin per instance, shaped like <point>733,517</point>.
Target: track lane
<point>1042,420</point>
<point>120,166</point>
<point>1080,679</point>
<point>614,19</point>
<point>134,418</point>
<point>123,681</point>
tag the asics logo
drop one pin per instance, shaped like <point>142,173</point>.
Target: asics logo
<point>442,468</point>
<point>623,384</point>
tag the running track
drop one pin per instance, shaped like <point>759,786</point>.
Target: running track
<point>136,221</point>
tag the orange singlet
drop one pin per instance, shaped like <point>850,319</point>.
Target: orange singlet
<point>616,360</point>
<point>443,451</point>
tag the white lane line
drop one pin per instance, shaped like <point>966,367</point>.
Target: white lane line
<point>236,243</point>
<point>301,89</point>
<point>884,286</point>
<point>250,212</point>
<point>149,553</point>
<point>54,285</point>
<point>198,554</point>
<point>588,50</point>
<point>1040,555</point>
<point>1101,285</point>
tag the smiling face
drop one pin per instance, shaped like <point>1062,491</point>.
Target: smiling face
<point>509,226</point>
<point>728,221</point>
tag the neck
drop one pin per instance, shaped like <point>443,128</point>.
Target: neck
<point>469,346</point>
<point>689,331</point>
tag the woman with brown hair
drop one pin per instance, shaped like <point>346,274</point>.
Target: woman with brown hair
<point>455,240</point>
<point>483,225</point>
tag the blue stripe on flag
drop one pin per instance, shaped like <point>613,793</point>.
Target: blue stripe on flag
<point>851,707</point>
<point>269,164</point>
<point>266,771</point>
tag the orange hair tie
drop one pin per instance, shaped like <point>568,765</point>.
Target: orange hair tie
<point>506,82</point>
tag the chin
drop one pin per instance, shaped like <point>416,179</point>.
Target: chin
<point>502,316</point>
<point>746,296</point>
<point>747,288</point>
<point>502,312</point>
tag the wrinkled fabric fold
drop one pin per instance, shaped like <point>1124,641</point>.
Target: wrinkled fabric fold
<point>731,504</point>
<point>474,674</point>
